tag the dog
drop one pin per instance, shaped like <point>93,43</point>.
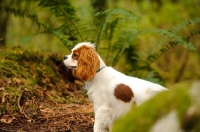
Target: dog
<point>112,93</point>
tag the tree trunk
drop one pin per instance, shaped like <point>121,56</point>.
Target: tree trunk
<point>3,25</point>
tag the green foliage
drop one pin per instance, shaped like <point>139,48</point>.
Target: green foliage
<point>67,31</point>
<point>112,27</point>
<point>21,13</point>
<point>116,35</point>
<point>173,39</point>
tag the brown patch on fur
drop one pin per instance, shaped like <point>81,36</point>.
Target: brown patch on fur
<point>88,63</point>
<point>124,93</point>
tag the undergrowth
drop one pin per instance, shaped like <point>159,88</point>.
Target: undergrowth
<point>116,35</point>
<point>27,78</point>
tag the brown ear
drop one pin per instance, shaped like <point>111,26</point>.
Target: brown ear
<point>88,64</point>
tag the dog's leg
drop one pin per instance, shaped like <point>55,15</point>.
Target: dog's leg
<point>103,119</point>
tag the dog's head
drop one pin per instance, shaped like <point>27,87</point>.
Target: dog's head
<point>83,61</point>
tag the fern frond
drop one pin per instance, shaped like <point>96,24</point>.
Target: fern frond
<point>57,32</point>
<point>21,13</point>
<point>59,7</point>
<point>172,39</point>
<point>124,44</point>
<point>67,31</point>
<point>114,19</point>
<point>192,34</point>
<point>63,9</point>
<point>154,56</point>
<point>185,24</point>
<point>172,36</point>
<point>121,13</point>
<point>117,33</point>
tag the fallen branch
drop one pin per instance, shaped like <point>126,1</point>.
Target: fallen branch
<point>21,109</point>
<point>3,98</point>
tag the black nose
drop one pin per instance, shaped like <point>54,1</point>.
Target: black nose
<point>65,57</point>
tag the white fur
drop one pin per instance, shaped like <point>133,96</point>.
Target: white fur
<point>101,88</point>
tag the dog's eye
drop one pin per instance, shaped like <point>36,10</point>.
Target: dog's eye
<point>74,56</point>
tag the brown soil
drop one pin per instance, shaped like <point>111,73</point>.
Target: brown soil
<point>55,117</point>
<point>55,102</point>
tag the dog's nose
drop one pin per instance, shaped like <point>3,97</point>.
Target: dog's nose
<point>65,57</point>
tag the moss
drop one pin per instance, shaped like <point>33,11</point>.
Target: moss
<point>32,74</point>
<point>24,64</point>
<point>142,118</point>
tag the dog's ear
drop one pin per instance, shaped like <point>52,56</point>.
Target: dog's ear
<point>88,64</point>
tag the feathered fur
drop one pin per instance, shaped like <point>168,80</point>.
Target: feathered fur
<point>88,63</point>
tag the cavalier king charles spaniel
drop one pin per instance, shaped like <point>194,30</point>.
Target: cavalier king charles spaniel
<point>112,93</point>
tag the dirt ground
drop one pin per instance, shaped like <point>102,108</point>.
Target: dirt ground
<point>54,117</point>
<point>76,115</point>
<point>38,94</point>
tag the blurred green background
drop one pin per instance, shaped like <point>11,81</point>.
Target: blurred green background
<point>128,33</point>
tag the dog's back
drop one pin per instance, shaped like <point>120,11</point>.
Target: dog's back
<point>114,93</point>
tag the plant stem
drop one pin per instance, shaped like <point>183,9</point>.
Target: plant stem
<point>67,19</point>
<point>183,64</point>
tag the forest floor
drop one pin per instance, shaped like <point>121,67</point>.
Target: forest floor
<point>38,95</point>
<point>56,117</point>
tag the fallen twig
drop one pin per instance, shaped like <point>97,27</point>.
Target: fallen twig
<point>21,109</point>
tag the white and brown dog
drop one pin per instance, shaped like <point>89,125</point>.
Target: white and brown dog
<point>111,92</point>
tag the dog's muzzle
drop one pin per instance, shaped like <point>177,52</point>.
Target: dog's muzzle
<point>70,67</point>
<point>65,57</point>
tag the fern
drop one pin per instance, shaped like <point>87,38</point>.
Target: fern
<point>185,24</point>
<point>21,13</point>
<point>67,31</point>
<point>172,39</point>
<point>118,23</point>
<point>124,45</point>
<point>117,33</point>
<point>114,17</point>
